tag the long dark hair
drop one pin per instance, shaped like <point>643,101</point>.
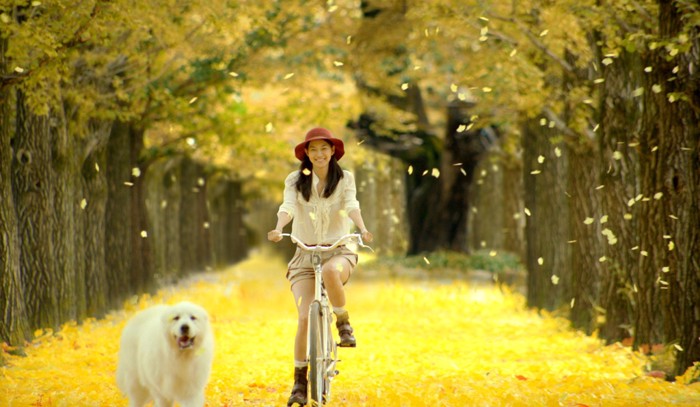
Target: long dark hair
<point>303,185</point>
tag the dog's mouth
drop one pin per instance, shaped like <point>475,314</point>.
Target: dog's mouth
<point>185,342</point>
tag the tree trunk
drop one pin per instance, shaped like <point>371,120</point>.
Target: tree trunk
<point>94,208</point>
<point>670,146</point>
<point>32,188</point>
<point>619,169</point>
<point>229,234</point>
<point>585,238</point>
<point>13,325</point>
<point>382,197</point>
<point>513,217</point>
<point>194,219</point>
<point>68,244</point>
<point>128,256</point>
<point>546,230</point>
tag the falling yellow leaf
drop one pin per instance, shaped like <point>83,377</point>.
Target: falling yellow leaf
<point>671,246</point>
<point>493,253</point>
<point>527,212</point>
<point>602,259</point>
<point>617,155</point>
<point>83,203</point>
<point>410,169</point>
<point>194,99</point>
<point>435,173</point>
<point>535,172</point>
<point>557,152</point>
<point>658,195</point>
<point>289,75</point>
<point>426,260</point>
<point>544,32</point>
<point>588,221</point>
<point>135,172</point>
<point>144,234</point>
<point>337,63</point>
<point>306,172</point>
<point>540,159</point>
<point>312,216</point>
<point>665,269</point>
<point>540,261</point>
<point>555,279</point>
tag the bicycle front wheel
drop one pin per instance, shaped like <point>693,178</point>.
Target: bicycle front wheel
<point>317,362</point>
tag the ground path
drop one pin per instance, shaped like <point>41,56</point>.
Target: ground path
<point>420,343</point>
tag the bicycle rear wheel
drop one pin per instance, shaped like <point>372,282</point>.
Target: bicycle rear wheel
<point>317,362</point>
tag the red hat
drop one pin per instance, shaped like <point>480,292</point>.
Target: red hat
<point>319,133</point>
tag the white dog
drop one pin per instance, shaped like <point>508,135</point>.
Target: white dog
<point>165,355</point>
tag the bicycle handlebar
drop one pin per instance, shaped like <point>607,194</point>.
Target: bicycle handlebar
<point>324,248</point>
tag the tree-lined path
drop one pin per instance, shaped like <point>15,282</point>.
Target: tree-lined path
<point>421,343</point>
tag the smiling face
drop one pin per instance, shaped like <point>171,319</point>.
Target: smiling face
<point>320,153</point>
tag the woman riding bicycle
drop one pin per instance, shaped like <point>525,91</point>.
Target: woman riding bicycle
<point>320,199</point>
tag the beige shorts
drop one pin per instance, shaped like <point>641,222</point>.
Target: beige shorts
<point>301,267</point>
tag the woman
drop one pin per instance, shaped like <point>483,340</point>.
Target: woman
<point>320,198</point>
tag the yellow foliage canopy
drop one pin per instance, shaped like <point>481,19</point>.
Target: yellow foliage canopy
<point>419,343</point>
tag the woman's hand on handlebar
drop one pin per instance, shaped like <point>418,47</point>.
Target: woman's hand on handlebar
<point>367,236</point>
<point>274,235</point>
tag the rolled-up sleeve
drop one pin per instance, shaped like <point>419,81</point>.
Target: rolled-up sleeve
<point>290,195</point>
<point>350,201</point>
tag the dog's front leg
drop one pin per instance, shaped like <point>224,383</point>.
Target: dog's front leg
<point>194,401</point>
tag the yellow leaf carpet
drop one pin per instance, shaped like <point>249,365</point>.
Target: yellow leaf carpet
<point>420,343</point>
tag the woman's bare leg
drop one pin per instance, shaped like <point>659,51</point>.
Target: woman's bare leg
<point>303,291</point>
<point>335,272</point>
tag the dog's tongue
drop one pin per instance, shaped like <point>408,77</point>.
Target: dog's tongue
<point>185,342</point>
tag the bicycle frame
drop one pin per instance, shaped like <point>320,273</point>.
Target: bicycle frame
<point>319,333</point>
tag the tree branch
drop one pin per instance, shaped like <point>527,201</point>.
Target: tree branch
<point>75,40</point>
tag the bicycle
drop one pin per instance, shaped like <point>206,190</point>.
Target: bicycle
<point>321,349</point>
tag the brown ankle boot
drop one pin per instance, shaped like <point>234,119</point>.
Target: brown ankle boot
<point>299,390</point>
<point>347,340</point>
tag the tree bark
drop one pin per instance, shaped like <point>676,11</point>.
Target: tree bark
<point>546,229</point>
<point>68,244</point>
<point>13,325</point>
<point>93,221</point>
<point>619,176</point>
<point>128,252</point>
<point>670,146</point>
<point>32,187</point>
<point>194,219</point>
<point>585,238</point>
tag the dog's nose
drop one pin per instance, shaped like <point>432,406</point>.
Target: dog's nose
<point>185,329</point>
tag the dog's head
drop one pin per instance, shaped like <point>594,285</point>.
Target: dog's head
<point>188,324</point>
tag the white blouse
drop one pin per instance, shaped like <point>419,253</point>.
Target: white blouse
<point>320,220</point>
